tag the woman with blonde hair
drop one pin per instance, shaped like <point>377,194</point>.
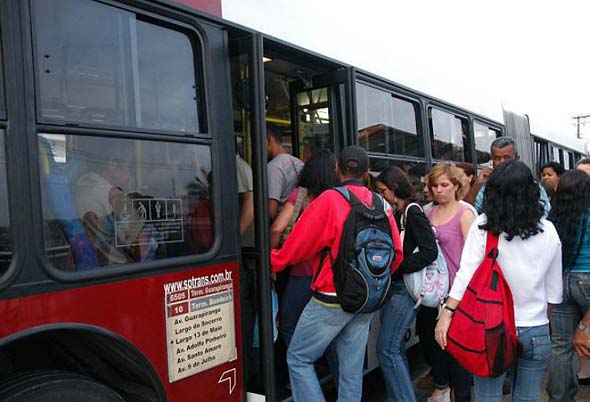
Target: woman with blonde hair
<point>451,220</point>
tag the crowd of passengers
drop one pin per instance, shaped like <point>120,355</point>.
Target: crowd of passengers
<point>543,251</point>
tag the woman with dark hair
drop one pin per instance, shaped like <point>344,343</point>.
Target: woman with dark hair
<point>570,213</point>
<point>550,174</point>
<point>318,174</point>
<point>529,253</point>
<point>397,315</point>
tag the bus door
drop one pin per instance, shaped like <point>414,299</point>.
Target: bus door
<point>249,103</point>
<point>322,111</point>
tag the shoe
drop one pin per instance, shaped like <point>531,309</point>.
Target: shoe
<point>426,382</point>
<point>584,381</point>
<point>444,396</point>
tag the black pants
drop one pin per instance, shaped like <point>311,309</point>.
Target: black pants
<point>445,369</point>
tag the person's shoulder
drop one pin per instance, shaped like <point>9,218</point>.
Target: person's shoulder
<point>468,207</point>
<point>549,229</point>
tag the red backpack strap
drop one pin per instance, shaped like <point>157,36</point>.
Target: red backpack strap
<point>492,245</point>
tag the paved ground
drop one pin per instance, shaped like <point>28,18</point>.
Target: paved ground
<point>374,389</point>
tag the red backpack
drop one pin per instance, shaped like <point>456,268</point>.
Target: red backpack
<point>482,336</point>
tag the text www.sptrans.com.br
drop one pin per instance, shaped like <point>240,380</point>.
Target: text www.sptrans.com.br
<point>198,281</point>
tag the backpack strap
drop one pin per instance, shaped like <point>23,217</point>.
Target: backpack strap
<point>491,246</point>
<point>405,220</point>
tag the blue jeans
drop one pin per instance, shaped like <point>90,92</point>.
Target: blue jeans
<point>295,297</point>
<point>319,326</point>
<point>529,370</point>
<point>562,385</point>
<point>396,318</point>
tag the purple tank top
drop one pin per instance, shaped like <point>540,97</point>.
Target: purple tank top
<point>450,239</point>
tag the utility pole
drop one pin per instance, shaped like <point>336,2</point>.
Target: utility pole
<point>581,120</point>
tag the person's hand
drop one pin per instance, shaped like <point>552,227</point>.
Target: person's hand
<point>442,328</point>
<point>484,174</point>
<point>581,343</point>
<point>273,276</point>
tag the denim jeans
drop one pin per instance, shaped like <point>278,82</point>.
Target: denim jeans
<point>562,385</point>
<point>296,296</point>
<point>529,370</point>
<point>319,326</point>
<point>396,318</point>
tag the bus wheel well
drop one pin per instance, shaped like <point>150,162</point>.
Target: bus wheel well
<point>107,358</point>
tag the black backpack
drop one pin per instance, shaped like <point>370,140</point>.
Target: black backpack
<point>362,270</point>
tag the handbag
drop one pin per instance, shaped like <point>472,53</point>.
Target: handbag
<point>430,285</point>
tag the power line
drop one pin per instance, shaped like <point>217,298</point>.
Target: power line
<point>581,120</point>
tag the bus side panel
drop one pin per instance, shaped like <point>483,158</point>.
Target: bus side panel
<point>186,323</point>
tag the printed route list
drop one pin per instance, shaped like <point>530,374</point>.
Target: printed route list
<point>200,325</point>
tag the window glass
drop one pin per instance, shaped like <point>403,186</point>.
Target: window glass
<point>5,237</point>
<point>555,154</point>
<point>448,136</point>
<point>484,136</point>
<point>386,123</point>
<point>100,65</point>
<point>566,160</point>
<point>117,201</point>
<point>415,171</point>
<point>314,121</point>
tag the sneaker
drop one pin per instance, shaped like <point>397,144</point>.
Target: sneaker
<point>584,381</point>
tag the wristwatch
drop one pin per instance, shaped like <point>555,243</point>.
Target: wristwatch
<point>448,308</point>
<point>583,328</point>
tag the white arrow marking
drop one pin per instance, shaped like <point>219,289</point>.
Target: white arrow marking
<point>229,375</point>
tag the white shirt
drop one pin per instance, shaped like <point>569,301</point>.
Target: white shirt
<point>91,194</point>
<point>532,268</point>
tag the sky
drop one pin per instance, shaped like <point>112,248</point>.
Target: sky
<point>531,57</point>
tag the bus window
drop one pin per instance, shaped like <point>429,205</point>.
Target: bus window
<point>484,136</point>
<point>449,136</point>
<point>387,124</point>
<point>314,118</point>
<point>555,154</point>
<point>116,201</point>
<point>5,237</point>
<point>99,65</point>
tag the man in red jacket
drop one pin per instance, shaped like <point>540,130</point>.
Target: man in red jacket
<point>321,323</point>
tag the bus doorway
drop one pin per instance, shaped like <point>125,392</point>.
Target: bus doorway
<point>306,99</point>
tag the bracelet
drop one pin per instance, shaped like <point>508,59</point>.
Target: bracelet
<point>583,328</point>
<point>448,308</point>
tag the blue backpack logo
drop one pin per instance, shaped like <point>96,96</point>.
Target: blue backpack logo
<point>362,270</point>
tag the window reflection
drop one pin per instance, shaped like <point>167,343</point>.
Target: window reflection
<point>484,136</point>
<point>449,135</point>
<point>5,237</point>
<point>387,124</point>
<point>100,65</point>
<point>114,201</point>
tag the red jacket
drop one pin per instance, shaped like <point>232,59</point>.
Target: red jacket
<point>321,226</point>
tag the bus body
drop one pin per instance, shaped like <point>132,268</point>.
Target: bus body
<point>122,273</point>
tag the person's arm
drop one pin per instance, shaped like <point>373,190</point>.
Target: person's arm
<point>273,208</point>
<point>466,220</point>
<point>554,275</point>
<point>246,211</point>
<point>471,196</point>
<point>581,341</point>
<point>418,228</point>
<point>280,224</point>
<point>444,322</point>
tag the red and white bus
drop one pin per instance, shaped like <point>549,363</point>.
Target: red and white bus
<point>122,274</point>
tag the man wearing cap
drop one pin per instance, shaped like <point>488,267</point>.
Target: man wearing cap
<point>320,324</point>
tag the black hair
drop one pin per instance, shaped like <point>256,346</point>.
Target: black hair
<point>556,166</point>
<point>275,133</point>
<point>319,172</point>
<point>502,142</point>
<point>569,212</point>
<point>397,181</point>
<point>511,201</point>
